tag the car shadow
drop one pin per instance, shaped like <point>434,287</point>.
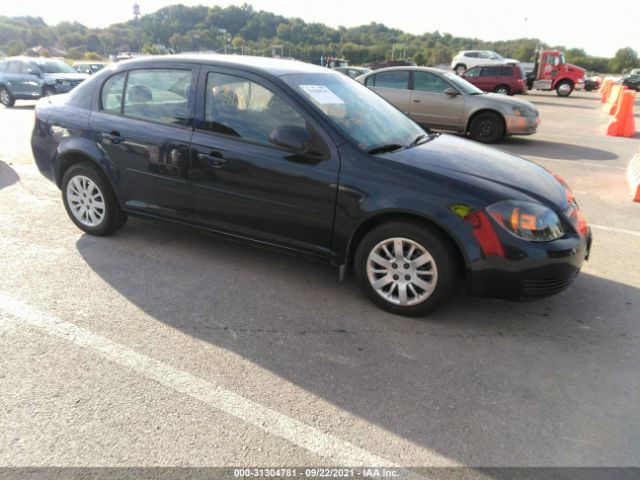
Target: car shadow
<point>24,107</point>
<point>553,150</point>
<point>8,175</point>
<point>476,372</point>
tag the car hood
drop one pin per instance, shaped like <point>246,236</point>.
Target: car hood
<point>501,100</point>
<point>507,176</point>
<point>68,76</point>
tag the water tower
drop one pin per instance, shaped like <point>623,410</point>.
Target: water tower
<point>136,11</point>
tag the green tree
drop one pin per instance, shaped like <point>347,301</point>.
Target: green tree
<point>624,59</point>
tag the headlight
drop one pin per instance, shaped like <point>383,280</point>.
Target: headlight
<point>64,83</point>
<point>526,220</point>
<point>523,112</point>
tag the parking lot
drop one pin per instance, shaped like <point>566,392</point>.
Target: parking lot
<point>162,346</point>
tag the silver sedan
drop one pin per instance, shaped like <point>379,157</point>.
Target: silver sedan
<point>443,101</point>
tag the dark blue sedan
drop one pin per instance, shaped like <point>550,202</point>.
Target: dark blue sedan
<point>302,158</point>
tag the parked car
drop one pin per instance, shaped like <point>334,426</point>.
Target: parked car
<point>441,100</point>
<point>471,58</point>
<point>352,72</point>
<point>632,81</point>
<point>503,79</point>
<point>25,78</point>
<point>89,67</point>
<point>300,157</point>
<point>592,82</point>
<point>391,63</point>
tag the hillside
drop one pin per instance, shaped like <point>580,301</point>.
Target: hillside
<point>245,30</point>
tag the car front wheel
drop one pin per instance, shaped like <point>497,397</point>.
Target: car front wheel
<point>405,268</point>
<point>502,90</point>
<point>487,128</point>
<point>5,97</point>
<point>564,88</point>
<point>90,202</point>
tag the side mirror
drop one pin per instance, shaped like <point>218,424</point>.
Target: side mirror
<point>291,137</point>
<point>452,92</point>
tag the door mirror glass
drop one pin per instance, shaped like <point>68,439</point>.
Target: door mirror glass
<point>291,137</point>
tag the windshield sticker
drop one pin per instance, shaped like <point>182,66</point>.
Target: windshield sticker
<point>321,94</point>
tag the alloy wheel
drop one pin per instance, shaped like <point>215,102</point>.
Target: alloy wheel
<point>402,271</point>
<point>85,201</point>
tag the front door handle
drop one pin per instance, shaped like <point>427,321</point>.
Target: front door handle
<point>416,101</point>
<point>215,159</point>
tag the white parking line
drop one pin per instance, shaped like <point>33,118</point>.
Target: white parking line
<point>15,313</point>
<point>616,230</point>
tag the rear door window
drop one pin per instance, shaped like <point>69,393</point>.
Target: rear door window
<point>158,95</point>
<point>397,79</point>
<point>15,66</point>
<point>506,71</point>
<point>490,71</point>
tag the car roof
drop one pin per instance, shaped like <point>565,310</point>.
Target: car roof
<point>506,64</point>
<point>273,66</point>
<point>409,67</point>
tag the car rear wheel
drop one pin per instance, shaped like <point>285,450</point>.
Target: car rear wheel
<point>487,128</point>
<point>564,88</point>
<point>405,268</point>
<point>90,201</point>
<point>503,90</point>
<point>5,97</point>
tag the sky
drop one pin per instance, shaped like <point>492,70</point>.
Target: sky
<point>600,29</point>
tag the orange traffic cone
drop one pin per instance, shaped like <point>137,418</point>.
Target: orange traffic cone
<point>623,124</point>
<point>633,177</point>
<point>605,89</point>
<point>614,98</point>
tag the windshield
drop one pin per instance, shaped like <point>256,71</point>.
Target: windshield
<point>55,66</point>
<point>358,112</point>
<point>461,84</point>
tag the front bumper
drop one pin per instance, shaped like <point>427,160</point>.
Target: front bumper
<point>516,125</point>
<point>530,270</point>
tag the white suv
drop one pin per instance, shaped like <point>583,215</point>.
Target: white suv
<point>470,58</point>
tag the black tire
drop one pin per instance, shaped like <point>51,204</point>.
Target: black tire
<point>48,91</point>
<point>503,90</point>
<point>564,88</point>
<point>460,68</point>
<point>487,127</point>
<point>6,98</point>
<point>113,218</point>
<point>443,255</point>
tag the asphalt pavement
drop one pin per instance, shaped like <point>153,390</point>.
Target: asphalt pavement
<point>162,346</point>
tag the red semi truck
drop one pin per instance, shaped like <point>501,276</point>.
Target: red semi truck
<point>552,72</point>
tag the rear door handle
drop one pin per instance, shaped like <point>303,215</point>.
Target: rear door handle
<point>214,159</point>
<point>113,137</point>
